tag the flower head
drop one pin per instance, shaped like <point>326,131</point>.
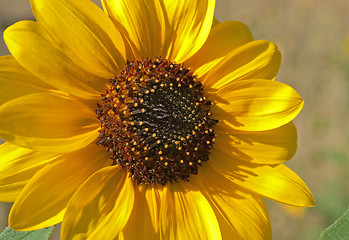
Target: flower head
<point>146,121</point>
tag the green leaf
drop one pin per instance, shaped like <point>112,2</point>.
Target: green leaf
<point>339,230</point>
<point>41,234</point>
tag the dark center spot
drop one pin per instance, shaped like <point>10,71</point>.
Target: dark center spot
<point>155,122</point>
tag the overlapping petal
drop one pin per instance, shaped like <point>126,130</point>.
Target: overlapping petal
<point>186,214</point>
<point>253,60</point>
<point>101,207</point>
<point>174,30</point>
<point>145,214</point>
<point>48,122</point>
<point>33,49</point>
<point>238,211</point>
<point>15,81</point>
<point>256,105</point>
<point>84,33</point>
<point>264,147</point>
<point>224,38</point>
<point>17,166</point>
<point>142,23</point>
<point>43,201</point>
<point>276,182</point>
<point>190,24</point>
<point>234,208</point>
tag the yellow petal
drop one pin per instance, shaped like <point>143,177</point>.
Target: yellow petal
<point>44,199</point>
<point>34,50</point>
<point>256,59</point>
<point>276,182</point>
<point>239,211</point>
<point>190,22</point>
<point>186,214</point>
<point>84,33</point>
<point>265,147</point>
<point>15,81</point>
<point>256,105</point>
<point>142,22</point>
<point>17,166</point>
<point>145,214</point>
<point>101,207</point>
<point>224,37</point>
<point>234,208</point>
<point>42,120</point>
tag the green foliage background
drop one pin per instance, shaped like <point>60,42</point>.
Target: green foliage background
<point>313,36</point>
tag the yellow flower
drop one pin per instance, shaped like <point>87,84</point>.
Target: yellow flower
<point>146,121</point>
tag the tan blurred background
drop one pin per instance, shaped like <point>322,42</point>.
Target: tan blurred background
<point>313,36</point>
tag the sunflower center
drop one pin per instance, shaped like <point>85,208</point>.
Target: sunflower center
<point>155,122</point>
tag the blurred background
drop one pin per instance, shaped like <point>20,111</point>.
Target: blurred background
<point>313,36</point>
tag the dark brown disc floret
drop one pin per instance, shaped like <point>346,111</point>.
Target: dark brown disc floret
<point>155,122</point>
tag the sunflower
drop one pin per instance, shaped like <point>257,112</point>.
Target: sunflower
<point>148,120</point>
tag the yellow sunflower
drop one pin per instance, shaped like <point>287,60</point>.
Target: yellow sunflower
<point>149,120</point>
